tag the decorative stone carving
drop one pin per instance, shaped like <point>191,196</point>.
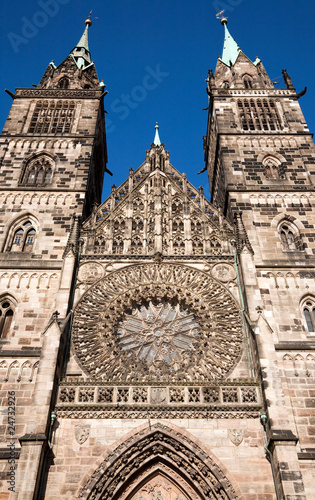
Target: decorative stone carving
<point>155,321</point>
<point>81,433</point>
<point>90,272</point>
<point>172,399</point>
<point>58,93</point>
<point>158,395</point>
<point>164,412</point>
<point>157,210</point>
<point>236,436</point>
<point>134,464</point>
<point>223,272</point>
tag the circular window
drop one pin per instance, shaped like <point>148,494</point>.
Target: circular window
<point>158,332</point>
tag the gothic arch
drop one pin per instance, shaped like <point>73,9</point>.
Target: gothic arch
<point>158,451</point>
<point>14,225</point>
<point>7,310</point>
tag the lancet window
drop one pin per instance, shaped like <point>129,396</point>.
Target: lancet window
<point>289,237</point>
<point>63,83</point>
<point>54,117</point>
<point>309,314</point>
<point>248,82</point>
<point>23,238</point>
<point>38,172</point>
<point>6,316</point>
<point>259,114</point>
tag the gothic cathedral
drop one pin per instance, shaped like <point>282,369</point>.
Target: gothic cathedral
<point>157,346</point>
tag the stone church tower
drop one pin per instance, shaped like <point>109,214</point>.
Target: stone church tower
<point>157,346</point>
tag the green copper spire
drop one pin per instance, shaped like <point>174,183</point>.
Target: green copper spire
<point>157,141</point>
<point>81,53</point>
<point>230,47</point>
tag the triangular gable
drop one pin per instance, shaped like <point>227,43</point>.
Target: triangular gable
<point>157,210</point>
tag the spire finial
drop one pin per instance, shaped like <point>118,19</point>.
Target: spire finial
<point>230,48</point>
<point>88,21</point>
<point>81,52</point>
<point>157,141</point>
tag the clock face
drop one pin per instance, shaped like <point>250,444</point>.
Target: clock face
<point>154,322</point>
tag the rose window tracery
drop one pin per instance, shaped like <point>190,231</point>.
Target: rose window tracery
<point>151,322</point>
<point>158,332</point>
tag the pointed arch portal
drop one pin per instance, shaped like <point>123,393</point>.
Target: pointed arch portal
<point>158,464</point>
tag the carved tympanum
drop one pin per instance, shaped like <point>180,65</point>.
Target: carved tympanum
<point>154,321</point>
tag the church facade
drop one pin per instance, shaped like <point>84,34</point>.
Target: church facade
<point>157,346</point>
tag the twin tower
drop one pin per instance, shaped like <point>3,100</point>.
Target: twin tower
<point>157,346</point>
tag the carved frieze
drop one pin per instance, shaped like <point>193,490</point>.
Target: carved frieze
<point>156,321</point>
<point>222,401</point>
<point>66,93</point>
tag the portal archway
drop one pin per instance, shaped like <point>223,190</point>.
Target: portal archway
<point>158,464</point>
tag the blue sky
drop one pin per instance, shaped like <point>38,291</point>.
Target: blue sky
<point>178,40</point>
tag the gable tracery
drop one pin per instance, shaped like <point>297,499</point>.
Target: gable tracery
<point>164,213</point>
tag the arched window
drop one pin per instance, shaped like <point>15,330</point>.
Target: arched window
<point>308,307</point>
<point>63,83</point>
<point>225,84</point>
<point>54,117</point>
<point>259,115</point>
<point>248,82</point>
<point>38,172</point>
<point>23,238</point>
<point>6,316</point>
<point>273,168</point>
<point>289,236</point>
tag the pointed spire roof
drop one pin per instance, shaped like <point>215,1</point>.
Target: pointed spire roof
<point>81,53</point>
<point>230,47</point>
<point>157,141</point>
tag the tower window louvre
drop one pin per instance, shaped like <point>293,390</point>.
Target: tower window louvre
<point>55,118</point>
<point>257,115</point>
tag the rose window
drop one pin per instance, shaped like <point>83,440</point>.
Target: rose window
<point>158,332</point>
